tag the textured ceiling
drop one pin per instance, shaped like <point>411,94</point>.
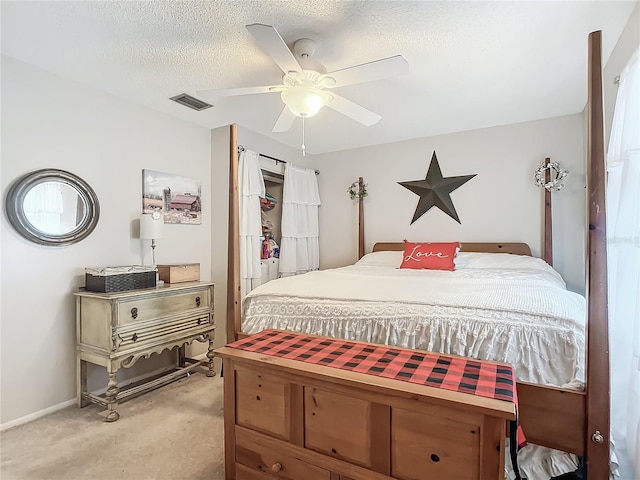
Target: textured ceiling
<point>472,64</point>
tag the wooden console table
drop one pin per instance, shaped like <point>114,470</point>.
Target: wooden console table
<point>300,407</point>
<point>117,329</point>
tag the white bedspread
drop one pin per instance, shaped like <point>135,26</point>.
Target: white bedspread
<point>497,307</point>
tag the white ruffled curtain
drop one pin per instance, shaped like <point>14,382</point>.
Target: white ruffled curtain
<point>623,259</point>
<point>299,247</point>
<point>250,189</point>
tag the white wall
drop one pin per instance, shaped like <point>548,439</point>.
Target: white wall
<point>500,204</point>
<point>220,138</point>
<point>50,122</point>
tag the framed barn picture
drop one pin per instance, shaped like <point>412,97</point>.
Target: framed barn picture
<point>178,198</point>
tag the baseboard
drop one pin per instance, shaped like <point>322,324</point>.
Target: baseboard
<point>36,415</point>
<point>67,403</point>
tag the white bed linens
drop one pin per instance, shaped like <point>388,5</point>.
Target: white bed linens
<point>500,307</point>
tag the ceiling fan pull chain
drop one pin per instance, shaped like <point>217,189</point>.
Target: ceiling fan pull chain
<point>304,148</point>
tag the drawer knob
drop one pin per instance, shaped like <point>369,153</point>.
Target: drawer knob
<point>134,337</point>
<point>276,467</point>
<point>134,313</point>
<point>198,301</point>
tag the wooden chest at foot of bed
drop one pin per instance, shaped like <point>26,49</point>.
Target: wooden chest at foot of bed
<point>294,420</point>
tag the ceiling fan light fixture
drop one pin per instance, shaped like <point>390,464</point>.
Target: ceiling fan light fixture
<point>305,101</point>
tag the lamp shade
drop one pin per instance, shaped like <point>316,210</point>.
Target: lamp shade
<point>151,228</point>
<point>305,101</point>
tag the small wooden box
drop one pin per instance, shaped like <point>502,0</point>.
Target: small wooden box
<point>185,272</point>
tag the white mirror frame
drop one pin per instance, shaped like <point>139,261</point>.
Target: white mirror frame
<point>15,211</point>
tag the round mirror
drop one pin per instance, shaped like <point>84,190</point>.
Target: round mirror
<point>52,207</point>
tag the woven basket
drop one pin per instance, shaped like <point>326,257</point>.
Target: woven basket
<point>120,282</point>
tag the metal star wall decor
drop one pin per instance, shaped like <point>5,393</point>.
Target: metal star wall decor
<point>435,190</point>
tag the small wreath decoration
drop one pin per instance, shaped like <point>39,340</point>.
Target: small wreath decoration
<point>555,177</point>
<point>355,191</point>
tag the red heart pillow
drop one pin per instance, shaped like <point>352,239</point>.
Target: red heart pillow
<point>431,256</point>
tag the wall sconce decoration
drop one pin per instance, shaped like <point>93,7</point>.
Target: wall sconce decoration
<point>435,190</point>
<point>357,190</point>
<point>555,177</point>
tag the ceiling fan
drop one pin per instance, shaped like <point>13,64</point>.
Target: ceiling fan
<point>306,85</point>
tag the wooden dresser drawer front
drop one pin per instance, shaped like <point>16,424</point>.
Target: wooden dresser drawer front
<point>246,473</point>
<point>139,310</point>
<point>261,402</point>
<point>338,425</point>
<point>134,335</point>
<point>434,445</point>
<point>277,462</point>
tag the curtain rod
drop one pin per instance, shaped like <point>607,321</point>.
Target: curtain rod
<point>277,160</point>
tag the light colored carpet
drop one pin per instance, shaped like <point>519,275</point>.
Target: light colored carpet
<point>175,432</point>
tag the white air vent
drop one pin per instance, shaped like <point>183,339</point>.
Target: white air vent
<point>191,102</point>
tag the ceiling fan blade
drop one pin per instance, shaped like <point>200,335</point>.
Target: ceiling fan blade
<point>353,110</point>
<point>230,92</point>
<point>273,45</point>
<point>367,72</point>
<point>285,120</point>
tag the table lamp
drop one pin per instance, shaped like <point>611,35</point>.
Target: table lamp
<point>151,228</point>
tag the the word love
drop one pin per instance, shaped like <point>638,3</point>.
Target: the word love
<point>416,255</point>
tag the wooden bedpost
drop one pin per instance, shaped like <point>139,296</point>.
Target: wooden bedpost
<point>233,263</point>
<point>548,222</point>
<point>598,391</point>
<point>360,219</point>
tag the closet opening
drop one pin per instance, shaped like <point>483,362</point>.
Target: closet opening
<point>271,213</point>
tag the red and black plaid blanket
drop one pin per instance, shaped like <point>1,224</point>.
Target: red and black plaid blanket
<point>457,374</point>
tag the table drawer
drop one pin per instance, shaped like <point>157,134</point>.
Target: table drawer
<point>278,462</point>
<point>139,334</point>
<point>132,310</point>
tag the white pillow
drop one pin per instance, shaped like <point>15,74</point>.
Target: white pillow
<point>498,260</point>
<point>381,259</point>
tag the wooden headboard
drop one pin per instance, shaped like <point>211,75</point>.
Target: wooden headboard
<point>514,248</point>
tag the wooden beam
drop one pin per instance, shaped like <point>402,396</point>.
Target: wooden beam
<point>548,223</point>
<point>360,220</point>
<point>598,391</point>
<point>233,262</point>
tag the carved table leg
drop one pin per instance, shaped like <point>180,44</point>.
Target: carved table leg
<point>210,356</point>
<point>111,396</point>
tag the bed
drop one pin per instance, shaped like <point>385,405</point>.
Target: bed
<point>556,415</point>
<point>490,306</point>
